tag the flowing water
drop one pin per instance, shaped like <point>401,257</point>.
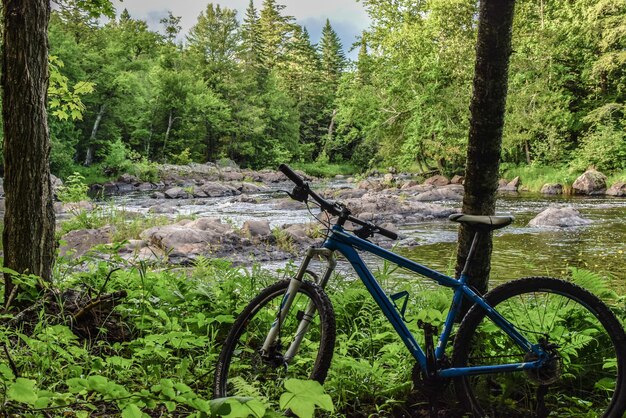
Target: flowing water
<point>519,250</point>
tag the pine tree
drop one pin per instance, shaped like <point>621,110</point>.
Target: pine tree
<point>171,25</point>
<point>302,77</point>
<point>364,62</point>
<point>333,62</point>
<point>252,51</point>
<point>333,57</point>
<point>274,30</point>
<point>213,43</point>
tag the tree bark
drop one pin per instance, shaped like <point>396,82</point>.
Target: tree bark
<point>493,48</point>
<point>28,235</point>
<point>92,137</point>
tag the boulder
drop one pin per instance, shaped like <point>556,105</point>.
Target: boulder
<point>419,188</point>
<point>349,193</point>
<point>591,182</point>
<point>370,185</point>
<point>552,188</point>
<point>188,236</point>
<point>559,217</point>
<point>409,183</point>
<point>437,180</point>
<point>214,189</point>
<point>231,176</point>
<point>510,186</point>
<point>176,193</point>
<point>618,189</point>
<point>77,243</point>
<point>439,194</point>
<point>257,228</point>
<point>55,181</point>
<point>389,178</point>
<point>251,188</point>
<point>298,233</point>
<point>128,178</point>
<point>457,179</point>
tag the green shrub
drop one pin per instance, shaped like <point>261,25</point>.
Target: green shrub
<point>74,189</point>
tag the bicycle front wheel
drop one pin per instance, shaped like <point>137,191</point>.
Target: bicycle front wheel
<point>243,370</point>
<point>587,346</point>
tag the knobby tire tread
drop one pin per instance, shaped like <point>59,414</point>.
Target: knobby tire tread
<point>327,322</point>
<point>474,317</point>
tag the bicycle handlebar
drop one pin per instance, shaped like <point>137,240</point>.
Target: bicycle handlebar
<point>291,175</point>
<point>332,208</point>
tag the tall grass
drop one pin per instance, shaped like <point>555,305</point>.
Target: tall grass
<point>320,169</point>
<point>535,176</point>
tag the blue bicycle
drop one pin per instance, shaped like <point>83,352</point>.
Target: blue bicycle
<point>532,347</point>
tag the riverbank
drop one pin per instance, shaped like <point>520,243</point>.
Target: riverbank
<point>242,216</point>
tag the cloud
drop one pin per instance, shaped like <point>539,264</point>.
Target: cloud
<point>347,17</point>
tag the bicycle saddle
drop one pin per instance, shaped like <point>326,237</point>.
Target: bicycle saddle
<point>488,223</point>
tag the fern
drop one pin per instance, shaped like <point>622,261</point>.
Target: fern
<point>244,388</point>
<point>593,282</point>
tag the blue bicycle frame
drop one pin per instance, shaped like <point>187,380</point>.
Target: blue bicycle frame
<point>347,244</point>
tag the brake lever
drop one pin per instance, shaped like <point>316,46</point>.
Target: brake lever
<point>365,231</point>
<point>298,193</point>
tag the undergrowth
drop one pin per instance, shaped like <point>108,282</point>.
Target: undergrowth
<point>177,320</point>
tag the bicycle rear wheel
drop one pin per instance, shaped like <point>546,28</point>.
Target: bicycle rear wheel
<point>585,376</point>
<point>242,370</point>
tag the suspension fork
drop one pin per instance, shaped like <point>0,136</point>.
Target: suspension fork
<point>288,298</point>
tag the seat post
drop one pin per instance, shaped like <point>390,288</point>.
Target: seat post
<point>470,254</point>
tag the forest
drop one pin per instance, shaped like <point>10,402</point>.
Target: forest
<point>122,308</point>
<point>251,87</point>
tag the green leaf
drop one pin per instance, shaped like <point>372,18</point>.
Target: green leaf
<point>23,390</point>
<point>303,396</point>
<point>220,406</point>
<point>132,411</point>
<point>6,374</point>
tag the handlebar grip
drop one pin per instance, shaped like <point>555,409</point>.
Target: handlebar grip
<point>387,233</point>
<point>291,174</point>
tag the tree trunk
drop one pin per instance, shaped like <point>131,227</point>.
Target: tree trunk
<point>170,122</point>
<point>331,126</point>
<point>92,137</point>
<point>28,235</point>
<point>527,153</point>
<point>493,49</point>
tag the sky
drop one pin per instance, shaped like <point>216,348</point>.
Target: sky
<point>347,17</point>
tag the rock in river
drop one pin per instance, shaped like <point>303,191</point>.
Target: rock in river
<point>559,217</point>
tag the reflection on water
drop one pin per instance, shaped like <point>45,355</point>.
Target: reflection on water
<point>519,250</point>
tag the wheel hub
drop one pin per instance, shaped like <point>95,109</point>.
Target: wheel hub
<point>549,372</point>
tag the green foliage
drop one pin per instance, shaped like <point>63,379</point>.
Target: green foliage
<point>183,158</point>
<point>116,161</point>
<point>73,190</point>
<point>65,102</point>
<point>534,176</point>
<point>260,93</point>
<point>327,169</point>
<point>303,396</point>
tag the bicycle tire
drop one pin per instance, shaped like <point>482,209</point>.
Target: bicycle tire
<point>585,378</point>
<point>241,371</point>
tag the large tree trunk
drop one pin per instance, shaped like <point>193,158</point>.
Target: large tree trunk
<point>493,49</point>
<point>28,236</point>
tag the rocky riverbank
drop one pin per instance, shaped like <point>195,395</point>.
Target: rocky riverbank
<point>391,200</point>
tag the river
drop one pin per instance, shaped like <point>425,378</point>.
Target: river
<point>519,250</point>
